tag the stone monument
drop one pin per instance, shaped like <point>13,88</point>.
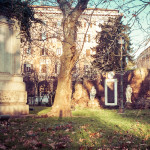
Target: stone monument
<point>13,96</point>
<point>128,94</point>
<point>128,97</point>
<point>92,93</point>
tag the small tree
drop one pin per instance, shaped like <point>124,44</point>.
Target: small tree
<point>108,51</point>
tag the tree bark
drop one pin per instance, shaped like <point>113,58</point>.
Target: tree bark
<point>62,102</point>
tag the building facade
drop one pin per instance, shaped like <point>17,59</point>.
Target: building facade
<point>41,58</point>
<point>143,60</point>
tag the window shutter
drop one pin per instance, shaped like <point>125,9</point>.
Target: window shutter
<point>40,52</point>
<point>24,68</point>
<point>89,38</point>
<point>31,66</point>
<point>56,68</point>
<point>40,36</point>
<point>46,35</point>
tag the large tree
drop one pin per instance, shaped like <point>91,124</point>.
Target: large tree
<point>62,102</point>
<point>108,51</point>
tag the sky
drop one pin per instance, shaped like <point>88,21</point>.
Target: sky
<point>139,22</point>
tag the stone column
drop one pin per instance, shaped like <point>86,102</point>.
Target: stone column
<point>13,96</point>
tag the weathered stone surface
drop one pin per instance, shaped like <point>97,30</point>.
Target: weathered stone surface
<point>14,109</point>
<point>82,102</point>
<point>81,96</point>
<point>128,105</point>
<point>78,91</point>
<point>94,104</point>
<point>142,103</point>
<point>13,96</point>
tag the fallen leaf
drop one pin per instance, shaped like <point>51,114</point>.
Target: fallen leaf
<point>81,140</point>
<point>2,147</point>
<point>52,145</point>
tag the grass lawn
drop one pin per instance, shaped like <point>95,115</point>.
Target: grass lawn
<point>88,129</point>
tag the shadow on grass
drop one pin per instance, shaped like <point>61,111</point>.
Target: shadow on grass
<point>142,115</point>
<point>101,129</point>
<point>39,110</point>
<point>87,129</point>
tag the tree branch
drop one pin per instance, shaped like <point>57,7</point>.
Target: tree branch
<point>80,7</point>
<point>65,6</point>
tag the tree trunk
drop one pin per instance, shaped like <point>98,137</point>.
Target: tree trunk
<point>62,102</point>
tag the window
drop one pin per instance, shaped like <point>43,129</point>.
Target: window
<point>88,38</point>
<point>22,40</point>
<point>58,51</point>
<point>45,22</point>
<point>29,50</point>
<point>43,52</point>
<point>86,68</point>
<point>43,68</point>
<point>58,24</point>
<point>88,52</point>
<point>54,24</point>
<point>93,51</point>
<point>27,68</point>
<point>56,68</point>
<point>43,36</point>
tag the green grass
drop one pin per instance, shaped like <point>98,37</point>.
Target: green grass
<point>40,110</point>
<point>87,129</point>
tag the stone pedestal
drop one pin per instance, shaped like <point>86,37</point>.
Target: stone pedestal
<point>128,105</point>
<point>13,96</point>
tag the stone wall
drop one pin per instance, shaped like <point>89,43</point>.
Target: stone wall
<point>138,79</point>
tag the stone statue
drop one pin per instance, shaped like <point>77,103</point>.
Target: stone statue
<point>92,93</point>
<point>128,94</point>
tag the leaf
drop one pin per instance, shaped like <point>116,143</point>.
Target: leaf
<point>2,146</point>
<point>60,145</point>
<point>128,142</point>
<point>81,140</point>
<point>67,130</point>
<point>82,148</point>
<point>52,145</point>
<point>30,133</point>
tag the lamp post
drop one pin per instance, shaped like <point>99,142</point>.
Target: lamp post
<point>121,107</point>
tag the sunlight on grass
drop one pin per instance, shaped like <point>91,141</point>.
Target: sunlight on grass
<point>87,129</point>
<point>137,126</point>
<point>39,110</point>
